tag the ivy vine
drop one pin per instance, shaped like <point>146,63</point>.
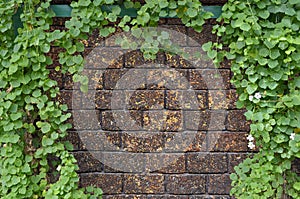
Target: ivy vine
<point>262,38</point>
<point>32,123</point>
<point>263,42</point>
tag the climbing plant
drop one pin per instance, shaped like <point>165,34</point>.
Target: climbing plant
<point>32,123</point>
<point>261,39</point>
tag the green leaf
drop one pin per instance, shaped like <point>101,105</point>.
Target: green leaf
<point>192,12</point>
<point>12,69</point>
<point>296,100</point>
<point>47,141</point>
<point>245,27</point>
<point>251,88</point>
<point>8,127</point>
<point>45,48</point>
<point>297,186</point>
<point>207,46</point>
<point>45,127</point>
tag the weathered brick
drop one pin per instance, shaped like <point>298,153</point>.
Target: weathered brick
<point>177,61</point>
<point>142,141</point>
<point>109,183</point>
<point>73,138</point>
<point>163,120</point>
<point>66,96</point>
<point>56,76</point>
<point>166,163</point>
<point>125,196</point>
<point>146,184</point>
<point>177,34</point>
<point>105,99</point>
<point>121,120</point>
<point>167,79</point>
<point>97,140</point>
<point>219,184</point>
<point>212,79</point>
<point>145,99</point>
<point>210,197</point>
<point>102,58</point>
<point>206,163</point>
<point>198,39</point>
<point>185,141</point>
<point>186,100</point>
<point>185,184</point>
<point>222,99</point>
<point>205,120</point>
<point>236,121</point>
<point>87,163</point>
<point>227,141</point>
<point>85,119</point>
<point>235,159</point>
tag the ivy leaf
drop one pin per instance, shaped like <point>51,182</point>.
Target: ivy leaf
<point>47,141</point>
<point>45,127</point>
<point>251,88</point>
<point>297,186</point>
<point>192,12</point>
<point>12,69</point>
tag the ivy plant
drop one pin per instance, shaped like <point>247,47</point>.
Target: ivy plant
<point>32,123</point>
<point>261,39</point>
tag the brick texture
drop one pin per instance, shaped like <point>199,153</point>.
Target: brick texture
<point>161,129</point>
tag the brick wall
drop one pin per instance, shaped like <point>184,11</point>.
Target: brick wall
<point>202,169</point>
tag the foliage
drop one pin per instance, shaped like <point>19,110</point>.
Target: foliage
<point>264,48</point>
<point>32,123</point>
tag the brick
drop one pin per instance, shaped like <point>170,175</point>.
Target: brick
<point>206,163</point>
<point>73,138</point>
<point>97,140</point>
<point>219,184</point>
<point>185,184</point>
<point>166,163</point>
<point>123,162</point>
<point>56,76</point>
<point>185,141</point>
<point>212,79</point>
<point>222,99</point>
<point>102,58</point>
<point>177,61</point>
<point>69,98</point>
<point>94,39</point>
<point>110,41</point>
<point>134,59</point>
<point>296,165</point>
<point>227,141</point>
<point>142,141</point>
<point>236,121</point>
<point>177,34</point>
<point>121,120</point>
<point>146,184</point>
<point>125,196</point>
<point>167,79</point>
<point>186,100</point>
<point>145,99</point>
<point>235,159</point>
<point>106,100</point>
<point>210,197</point>
<point>109,183</point>
<point>163,120</point>
<point>198,39</point>
<point>205,120</point>
<point>85,119</point>
<point>87,163</point>
<point>68,81</point>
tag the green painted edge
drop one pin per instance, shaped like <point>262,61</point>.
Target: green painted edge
<point>66,11</point>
